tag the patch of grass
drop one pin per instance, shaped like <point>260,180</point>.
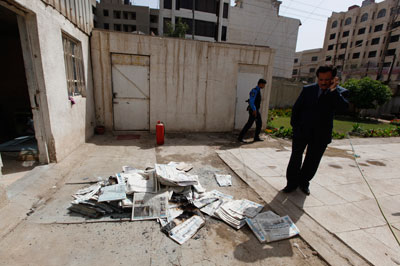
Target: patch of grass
<point>341,124</point>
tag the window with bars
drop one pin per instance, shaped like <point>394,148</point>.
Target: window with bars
<point>73,60</point>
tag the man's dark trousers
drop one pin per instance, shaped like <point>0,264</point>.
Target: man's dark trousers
<point>249,124</point>
<point>299,174</point>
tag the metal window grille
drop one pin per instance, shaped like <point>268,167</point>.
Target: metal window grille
<point>74,66</point>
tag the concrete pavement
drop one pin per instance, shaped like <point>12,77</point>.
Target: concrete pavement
<point>340,199</point>
<point>36,228</point>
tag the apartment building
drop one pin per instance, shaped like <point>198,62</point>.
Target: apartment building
<point>306,64</point>
<point>121,15</point>
<point>210,17</point>
<point>365,41</point>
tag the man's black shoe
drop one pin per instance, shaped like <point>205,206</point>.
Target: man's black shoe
<point>241,140</point>
<point>258,139</point>
<point>305,190</point>
<point>289,189</point>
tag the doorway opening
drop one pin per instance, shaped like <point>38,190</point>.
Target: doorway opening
<point>18,145</point>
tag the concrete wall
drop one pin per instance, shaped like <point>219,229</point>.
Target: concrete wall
<point>256,22</point>
<point>192,83</point>
<point>284,92</point>
<point>66,126</point>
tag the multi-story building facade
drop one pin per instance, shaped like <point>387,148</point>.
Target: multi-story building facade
<point>306,64</point>
<point>365,41</point>
<point>257,22</point>
<point>210,17</point>
<point>121,15</point>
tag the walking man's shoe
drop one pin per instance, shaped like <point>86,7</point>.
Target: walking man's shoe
<point>289,189</point>
<point>258,139</point>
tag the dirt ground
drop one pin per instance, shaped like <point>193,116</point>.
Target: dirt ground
<point>52,236</point>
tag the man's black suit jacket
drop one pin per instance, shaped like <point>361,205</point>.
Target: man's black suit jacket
<point>312,115</point>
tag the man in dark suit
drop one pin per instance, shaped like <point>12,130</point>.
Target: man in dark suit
<point>312,123</point>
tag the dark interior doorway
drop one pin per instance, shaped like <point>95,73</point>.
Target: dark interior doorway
<point>18,146</point>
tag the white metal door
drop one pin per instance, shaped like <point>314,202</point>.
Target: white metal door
<point>131,92</point>
<point>245,82</point>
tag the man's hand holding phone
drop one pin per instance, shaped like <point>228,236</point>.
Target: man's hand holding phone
<point>335,82</point>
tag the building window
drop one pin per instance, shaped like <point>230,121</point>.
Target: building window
<point>346,33</point>
<point>295,71</point>
<point>381,13</point>
<point>314,58</point>
<point>333,36</point>
<point>341,56</point>
<point>129,28</point>
<point>378,28</point>
<point>296,60</point>
<point>364,17</point>
<point>361,31</point>
<point>390,52</point>
<point>328,58</point>
<point>168,4</point>
<point>117,27</point>
<point>356,55</point>
<point>396,24</point>
<point>153,31</point>
<point>117,14</point>
<point>330,47</point>
<point>153,19</point>
<point>312,70</point>
<point>106,26</point>
<point>105,12</point>
<point>334,24</point>
<point>73,61</point>
<point>394,38</point>
<point>347,21</point>
<point>386,64</point>
<point>375,41</point>
<point>223,35</point>
<point>358,43</point>
<point>125,14</point>
<point>343,45</point>
<point>372,54</point>
<point>225,11</point>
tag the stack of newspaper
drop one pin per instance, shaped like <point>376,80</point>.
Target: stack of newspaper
<point>170,176</point>
<point>235,212</point>
<point>269,227</point>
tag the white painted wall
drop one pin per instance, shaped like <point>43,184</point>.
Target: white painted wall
<point>257,23</point>
<point>66,126</point>
<point>192,83</point>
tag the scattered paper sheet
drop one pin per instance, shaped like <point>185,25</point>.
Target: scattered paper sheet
<point>112,193</point>
<point>269,227</point>
<point>211,208</point>
<point>234,212</point>
<point>148,206</point>
<point>136,182</point>
<point>185,226</point>
<point>224,180</point>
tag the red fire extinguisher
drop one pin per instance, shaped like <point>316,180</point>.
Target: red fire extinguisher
<point>160,132</point>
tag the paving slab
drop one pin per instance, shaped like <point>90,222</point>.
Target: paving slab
<point>340,199</point>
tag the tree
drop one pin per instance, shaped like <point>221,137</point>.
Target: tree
<point>180,29</point>
<point>367,93</point>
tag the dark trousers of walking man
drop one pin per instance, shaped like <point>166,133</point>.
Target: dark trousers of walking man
<point>250,123</point>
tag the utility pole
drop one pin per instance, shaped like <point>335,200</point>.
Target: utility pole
<point>394,13</point>
<point>193,21</point>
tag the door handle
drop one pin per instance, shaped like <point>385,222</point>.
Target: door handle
<point>115,95</point>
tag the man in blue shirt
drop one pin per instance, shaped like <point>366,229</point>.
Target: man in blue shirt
<point>254,111</point>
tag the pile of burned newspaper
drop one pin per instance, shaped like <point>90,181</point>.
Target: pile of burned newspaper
<point>169,194</point>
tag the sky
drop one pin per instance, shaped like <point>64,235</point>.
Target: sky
<point>312,13</point>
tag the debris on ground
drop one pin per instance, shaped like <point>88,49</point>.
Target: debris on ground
<point>269,227</point>
<point>224,180</point>
<point>175,198</point>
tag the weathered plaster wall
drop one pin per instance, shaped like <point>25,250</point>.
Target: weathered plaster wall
<point>256,22</point>
<point>192,83</point>
<point>67,126</point>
